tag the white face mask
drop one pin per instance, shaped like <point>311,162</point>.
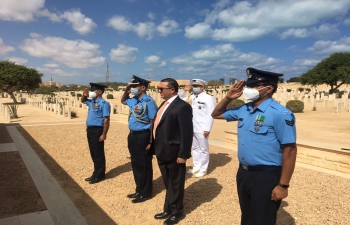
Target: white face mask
<point>196,90</point>
<point>251,94</point>
<point>135,91</point>
<point>92,94</point>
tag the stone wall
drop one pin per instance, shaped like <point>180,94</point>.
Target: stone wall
<point>310,153</point>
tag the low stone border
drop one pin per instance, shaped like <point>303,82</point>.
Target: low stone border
<point>325,156</point>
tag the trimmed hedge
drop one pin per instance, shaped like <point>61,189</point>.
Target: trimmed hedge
<point>110,96</point>
<point>235,103</point>
<point>296,106</point>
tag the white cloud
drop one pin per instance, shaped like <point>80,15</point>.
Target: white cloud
<point>200,30</point>
<point>17,60</point>
<point>250,20</point>
<point>120,23</point>
<point>28,11</point>
<point>306,62</point>
<point>347,21</point>
<point>19,10</point>
<point>151,16</point>
<point>51,65</point>
<point>144,29</point>
<point>80,23</point>
<point>72,53</point>
<point>323,31</point>
<point>326,48</point>
<point>168,27</point>
<point>224,57</point>
<point>154,60</point>
<point>5,49</point>
<point>58,72</point>
<point>123,54</point>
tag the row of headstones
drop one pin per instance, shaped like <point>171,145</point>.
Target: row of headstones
<point>56,108</point>
<point>5,111</point>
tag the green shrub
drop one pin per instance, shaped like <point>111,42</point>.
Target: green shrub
<point>308,89</point>
<point>289,90</point>
<point>296,106</point>
<point>78,95</point>
<point>235,103</point>
<point>72,94</point>
<point>110,96</point>
<point>13,110</point>
<point>73,114</point>
<point>301,89</point>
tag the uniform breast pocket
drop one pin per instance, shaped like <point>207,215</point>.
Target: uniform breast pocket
<point>259,133</point>
<point>240,124</point>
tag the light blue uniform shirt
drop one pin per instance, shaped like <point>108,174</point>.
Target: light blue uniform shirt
<point>144,109</point>
<point>262,131</point>
<point>98,110</point>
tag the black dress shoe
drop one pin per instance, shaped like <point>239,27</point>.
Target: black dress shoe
<point>140,198</point>
<point>161,215</point>
<point>134,195</point>
<point>174,219</point>
<point>95,180</point>
<point>89,178</point>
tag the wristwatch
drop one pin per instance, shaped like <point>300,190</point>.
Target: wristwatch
<point>286,186</point>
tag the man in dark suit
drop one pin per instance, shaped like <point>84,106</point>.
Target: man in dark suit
<point>172,141</point>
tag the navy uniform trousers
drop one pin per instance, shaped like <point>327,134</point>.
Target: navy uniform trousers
<point>141,161</point>
<point>97,151</point>
<point>254,191</point>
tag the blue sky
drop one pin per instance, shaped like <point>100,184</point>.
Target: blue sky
<point>72,41</point>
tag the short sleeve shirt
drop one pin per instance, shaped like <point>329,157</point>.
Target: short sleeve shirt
<point>142,111</point>
<point>262,131</point>
<point>98,110</point>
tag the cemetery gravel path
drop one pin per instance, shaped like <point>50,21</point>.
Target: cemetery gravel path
<point>314,197</point>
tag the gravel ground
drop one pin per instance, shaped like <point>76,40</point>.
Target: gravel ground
<point>314,197</point>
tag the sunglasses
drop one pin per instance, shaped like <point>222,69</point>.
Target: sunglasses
<point>162,89</point>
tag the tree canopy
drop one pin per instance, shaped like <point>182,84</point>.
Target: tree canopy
<point>215,83</point>
<point>334,71</point>
<point>15,77</point>
<point>293,79</point>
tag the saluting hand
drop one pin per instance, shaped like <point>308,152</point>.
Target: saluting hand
<point>236,90</point>
<point>188,87</point>
<point>86,92</point>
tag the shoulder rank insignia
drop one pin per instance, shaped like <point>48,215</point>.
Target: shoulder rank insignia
<point>290,122</point>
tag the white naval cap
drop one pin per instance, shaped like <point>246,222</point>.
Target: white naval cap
<point>199,82</point>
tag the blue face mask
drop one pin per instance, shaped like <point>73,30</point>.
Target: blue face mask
<point>196,90</point>
<point>135,91</point>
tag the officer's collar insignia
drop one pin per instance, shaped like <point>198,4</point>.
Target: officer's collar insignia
<point>95,106</point>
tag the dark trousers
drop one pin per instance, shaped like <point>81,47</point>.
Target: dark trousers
<point>97,151</point>
<point>173,175</point>
<point>141,162</point>
<point>254,192</point>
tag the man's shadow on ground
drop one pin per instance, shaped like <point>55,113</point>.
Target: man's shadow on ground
<point>118,170</point>
<point>283,217</point>
<point>201,191</point>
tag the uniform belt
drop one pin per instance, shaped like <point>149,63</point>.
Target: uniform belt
<point>140,132</point>
<point>94,127</point>
<point>259,168</point>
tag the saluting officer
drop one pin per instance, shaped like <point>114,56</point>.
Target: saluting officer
<point>97,123</point>
<point>266,146</point>
<point>203,105</point>
<point>142,109</point>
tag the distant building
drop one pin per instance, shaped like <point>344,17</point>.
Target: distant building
<point>232,80</point>
<point>222,80</point>
<point>51,83</point>
<point>180,82</point>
